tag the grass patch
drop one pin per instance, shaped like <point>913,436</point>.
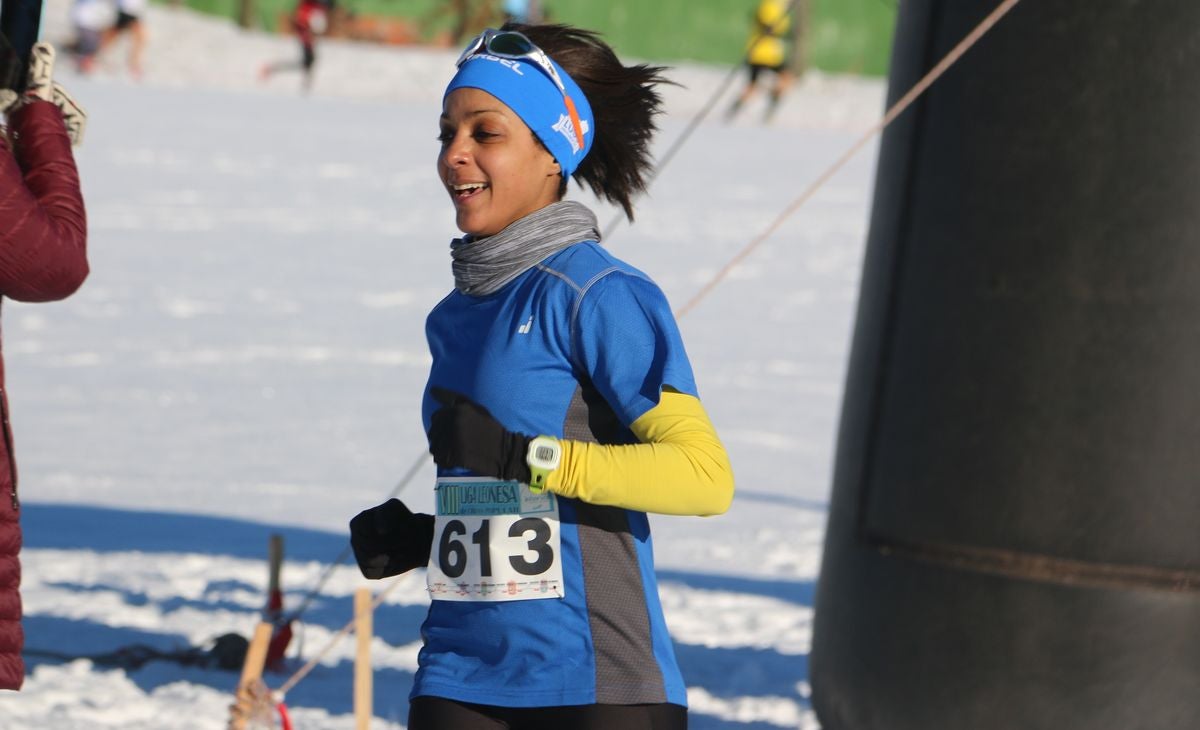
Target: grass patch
<point>844,36</point>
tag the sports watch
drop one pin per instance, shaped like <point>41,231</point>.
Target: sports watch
<point>543,457</point>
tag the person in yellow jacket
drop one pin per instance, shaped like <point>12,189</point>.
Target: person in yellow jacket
<point>767,51</point>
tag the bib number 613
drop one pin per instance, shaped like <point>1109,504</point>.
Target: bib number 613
<point>453,553</point>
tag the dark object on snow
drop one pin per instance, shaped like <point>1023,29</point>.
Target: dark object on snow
<point>229,651</point>
<point>1013,537</point>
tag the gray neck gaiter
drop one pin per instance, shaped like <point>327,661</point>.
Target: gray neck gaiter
<point>483,265</point>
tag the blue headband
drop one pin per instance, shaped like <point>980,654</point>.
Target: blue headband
<point>526,89</point>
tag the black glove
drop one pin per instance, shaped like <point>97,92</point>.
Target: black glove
<point>463,434</point>
<point>390,539</point>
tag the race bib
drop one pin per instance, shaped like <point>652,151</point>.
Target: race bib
<point>494,541</point>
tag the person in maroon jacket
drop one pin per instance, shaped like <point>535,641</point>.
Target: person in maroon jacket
<point>309,20</point>
<point>43,257</point>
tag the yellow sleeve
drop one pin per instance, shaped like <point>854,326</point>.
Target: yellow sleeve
<point>680,468</point>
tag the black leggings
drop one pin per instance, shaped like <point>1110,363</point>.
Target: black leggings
<point>437,713</point>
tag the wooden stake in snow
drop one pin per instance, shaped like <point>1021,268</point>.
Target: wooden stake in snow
<point>362,659</point>
<point>252,694</point>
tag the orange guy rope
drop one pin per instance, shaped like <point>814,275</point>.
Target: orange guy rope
<point>701,115</point>
<point>303,671</point>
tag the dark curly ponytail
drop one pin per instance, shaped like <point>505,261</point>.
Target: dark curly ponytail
<point>624,103</point>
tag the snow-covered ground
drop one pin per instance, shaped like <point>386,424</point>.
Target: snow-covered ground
<point>248,356</point>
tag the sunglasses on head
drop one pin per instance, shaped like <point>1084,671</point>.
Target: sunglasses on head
<point>514,45</point>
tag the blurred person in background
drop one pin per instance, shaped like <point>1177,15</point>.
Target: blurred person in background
<point>91,19</point>
<point>128,21</point>
<point>523,11</point>
<point>766,52</point>
<point>43,257</point>
<point>309,19</point>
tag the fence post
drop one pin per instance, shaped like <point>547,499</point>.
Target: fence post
<point>256,655</point>
<point>362,659</point>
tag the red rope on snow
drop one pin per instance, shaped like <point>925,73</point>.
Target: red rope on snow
<point>285,722</point>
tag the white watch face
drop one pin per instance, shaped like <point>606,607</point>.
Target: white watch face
<point>544,453</point>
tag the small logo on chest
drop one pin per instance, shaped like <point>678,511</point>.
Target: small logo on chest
<point>525,328</point>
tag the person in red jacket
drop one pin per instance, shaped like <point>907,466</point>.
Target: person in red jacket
<point>309,20</point>
<point>43,257</point>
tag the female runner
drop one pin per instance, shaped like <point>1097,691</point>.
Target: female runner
<point>561,409</point>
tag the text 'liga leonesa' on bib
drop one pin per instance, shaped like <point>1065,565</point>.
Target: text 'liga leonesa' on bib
<point>494,540</point>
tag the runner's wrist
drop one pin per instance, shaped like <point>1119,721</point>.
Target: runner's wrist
<point>543,455</point>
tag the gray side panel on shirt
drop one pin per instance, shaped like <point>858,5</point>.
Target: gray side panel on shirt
<point>627,672</point>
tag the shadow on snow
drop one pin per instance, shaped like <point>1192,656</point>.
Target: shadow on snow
<point>77,527</point>
<point>723,672</point>
<point>801,593</point>
<point>81,638</point>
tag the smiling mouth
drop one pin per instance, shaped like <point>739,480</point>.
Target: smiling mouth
<point>463,191</point>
